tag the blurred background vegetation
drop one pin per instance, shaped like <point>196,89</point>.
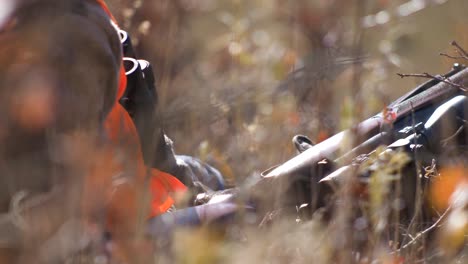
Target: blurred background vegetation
<point>238,78</point>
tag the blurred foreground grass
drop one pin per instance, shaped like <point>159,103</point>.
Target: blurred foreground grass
<point>237,79</point>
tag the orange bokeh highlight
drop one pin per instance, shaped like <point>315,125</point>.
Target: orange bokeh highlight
<point>445,184</point>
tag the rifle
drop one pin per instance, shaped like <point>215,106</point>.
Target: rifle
<point>413,107</point>
<point>416,111</point>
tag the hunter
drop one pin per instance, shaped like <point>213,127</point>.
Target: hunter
<point>71,164</point>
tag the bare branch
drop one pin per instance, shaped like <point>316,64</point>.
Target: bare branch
<point>430,76</point>
<point>446,140</point>
<point>462,54</point>
<point>459,49</point>
<point>453,57</point>
<point>422,233</point>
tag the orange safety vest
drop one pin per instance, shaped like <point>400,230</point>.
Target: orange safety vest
<point>119,125</point>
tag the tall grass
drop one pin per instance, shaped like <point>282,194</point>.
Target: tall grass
<point>238,79</point>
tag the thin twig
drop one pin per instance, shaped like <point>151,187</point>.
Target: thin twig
<point>446,140</point>
<point>430,76</point>
<point>431,257</point>
<point>459,48</point>
<point>422,233</point>
<point>462,53</point>
<point>417,202</point>
<point>453,57</point>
